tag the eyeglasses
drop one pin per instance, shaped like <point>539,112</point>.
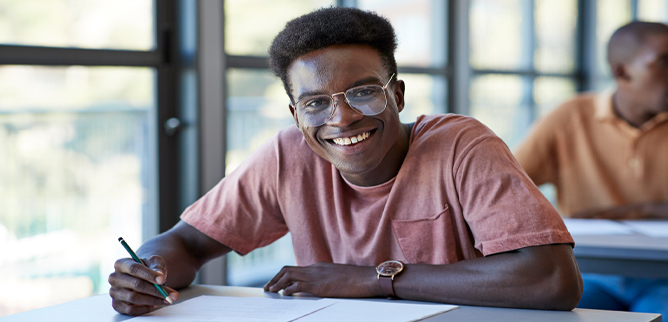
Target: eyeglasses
<point>316,110</point>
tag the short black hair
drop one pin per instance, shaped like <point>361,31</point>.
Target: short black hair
<point>628,39</point>
<point>327,27</point>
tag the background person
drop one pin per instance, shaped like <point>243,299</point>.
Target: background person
<point>607,155</point>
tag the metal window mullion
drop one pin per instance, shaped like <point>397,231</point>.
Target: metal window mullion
<point>250,62</point>
<point>57,56</point>
<point>212,66</point>
<point>529,9</point>
<point>634,9</point>
<point>586,46</point>
<point>525,73</point>
<point>458,57</point>
<point>167,107</point>
<point>347,3</point>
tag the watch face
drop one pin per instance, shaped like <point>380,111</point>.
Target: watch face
<point>390,268</point>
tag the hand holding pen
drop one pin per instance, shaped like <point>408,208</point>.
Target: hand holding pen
<point>136,285</point>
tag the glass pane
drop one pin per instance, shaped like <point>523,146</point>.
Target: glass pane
<point>118,24</point>
<point>425,94</point>
<point>497,34</point>
<point>499,101</point>
<point>653,10</point>
<point>77,173</point>
<point>555,35</point>
<point>249,31</point>
<point>257,108</point>
<point>549,92</point>
<point>610,15</point>
<point>420,26</point>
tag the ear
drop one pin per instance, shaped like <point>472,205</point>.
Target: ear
<point>620,72</point>
<point>294,114</point>
<point>398,91</point>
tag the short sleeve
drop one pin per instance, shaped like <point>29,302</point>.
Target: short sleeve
<point>503,208</point>
<point>242,210</point>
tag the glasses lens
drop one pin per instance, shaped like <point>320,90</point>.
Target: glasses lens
<point>369,100</point>
<point>314,111</point>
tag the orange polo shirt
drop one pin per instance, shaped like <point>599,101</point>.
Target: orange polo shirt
<point>594,158</point>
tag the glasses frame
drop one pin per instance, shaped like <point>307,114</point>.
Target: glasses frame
<point>333,103</point>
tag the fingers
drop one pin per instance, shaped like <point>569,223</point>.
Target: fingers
<point>134,284</point>
<point>132,268</point>
<point>130,309</point>
<point>289,280</point>
<point>296,287</point>
<point>135,298</point>
<point>171,292</point>
<point>132,288</point>
<point>274,280</point>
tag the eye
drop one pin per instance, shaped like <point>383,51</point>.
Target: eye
<point>364,91</point>
<point>315,103</point>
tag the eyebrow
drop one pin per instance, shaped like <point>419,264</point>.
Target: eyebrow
<point>363,81</point>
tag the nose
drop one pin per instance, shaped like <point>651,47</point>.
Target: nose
<point>343,114</point>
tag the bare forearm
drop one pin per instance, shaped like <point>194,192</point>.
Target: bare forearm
<point>522,279</point>
<point>185,250</point>
<point>657,210</point>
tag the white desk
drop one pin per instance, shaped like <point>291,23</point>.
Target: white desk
<point>98,309</point>
<point>634,255</point>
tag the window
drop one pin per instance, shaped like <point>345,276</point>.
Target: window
<point>523,56</point>
<point>79,98</point>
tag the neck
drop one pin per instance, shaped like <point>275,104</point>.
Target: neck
<point>394,159</point>
<point>630,110</point>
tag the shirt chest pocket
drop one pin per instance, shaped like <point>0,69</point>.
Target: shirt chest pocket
<point>428,240</point>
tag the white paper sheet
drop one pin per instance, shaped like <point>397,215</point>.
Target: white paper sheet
<point>368,311</point>
<point>239,309</point>
<point>653,228</point>
<point>596,227</point>
<point>256,309</point>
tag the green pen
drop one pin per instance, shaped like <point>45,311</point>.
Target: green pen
<point>134,256</point>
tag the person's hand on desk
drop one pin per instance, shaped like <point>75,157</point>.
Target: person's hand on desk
<point>650,210</point>
<point>132,291</point>
<point>326,280</point>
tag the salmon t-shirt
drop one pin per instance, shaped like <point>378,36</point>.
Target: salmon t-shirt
<point>459,194</point>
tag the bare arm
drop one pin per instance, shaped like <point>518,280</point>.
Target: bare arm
<point>173,258</point>
<point>540,277</point>
<point>647,210</point>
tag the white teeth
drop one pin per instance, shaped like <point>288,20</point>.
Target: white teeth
<point>352,139</point>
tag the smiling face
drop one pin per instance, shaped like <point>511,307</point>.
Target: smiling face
<point>381,140</point>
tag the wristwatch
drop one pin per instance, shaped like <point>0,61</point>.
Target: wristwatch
<point>386,272</point>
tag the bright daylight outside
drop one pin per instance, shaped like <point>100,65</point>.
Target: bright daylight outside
<point>75,166</point>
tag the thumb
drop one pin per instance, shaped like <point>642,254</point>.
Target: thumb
<point>159,265</point>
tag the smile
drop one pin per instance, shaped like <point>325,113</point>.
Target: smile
<point>352,139</point>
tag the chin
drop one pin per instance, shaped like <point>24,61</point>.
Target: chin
<point>353,167</point>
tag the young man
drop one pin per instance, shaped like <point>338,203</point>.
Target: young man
<point>441,198</point>
<point>607,155</point>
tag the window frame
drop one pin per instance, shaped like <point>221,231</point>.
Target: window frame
<point>166,65</point>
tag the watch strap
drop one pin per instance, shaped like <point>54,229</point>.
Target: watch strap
<point>386,285</point>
